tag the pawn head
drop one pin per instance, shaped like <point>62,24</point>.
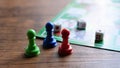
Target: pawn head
<point>49,26</point>
<point>65,32</point>
<point>31,33</point>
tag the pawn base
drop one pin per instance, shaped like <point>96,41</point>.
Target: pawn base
<point>49,44</point>
<point>33,52</point>
<point>65,52</point>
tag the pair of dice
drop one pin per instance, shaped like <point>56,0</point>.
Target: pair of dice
<point>81,25</point>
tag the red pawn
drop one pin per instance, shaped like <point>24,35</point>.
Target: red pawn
<point>65,49</point>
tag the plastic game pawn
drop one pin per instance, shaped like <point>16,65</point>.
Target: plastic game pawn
<point>49,41</point>
<point>32,49</point>
<point>65,49</point>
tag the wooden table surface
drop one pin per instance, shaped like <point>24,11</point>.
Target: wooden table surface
<point>17,16</point>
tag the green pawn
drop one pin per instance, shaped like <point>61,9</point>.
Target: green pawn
<point>32,49</point>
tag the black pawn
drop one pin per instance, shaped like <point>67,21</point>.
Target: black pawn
<point>49,41</point>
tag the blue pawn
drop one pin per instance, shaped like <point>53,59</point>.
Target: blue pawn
<point>49,41</point>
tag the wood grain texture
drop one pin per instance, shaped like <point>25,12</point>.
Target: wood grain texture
<point>17,16</point>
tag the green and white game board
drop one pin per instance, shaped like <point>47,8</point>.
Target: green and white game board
<point>98,14</point>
